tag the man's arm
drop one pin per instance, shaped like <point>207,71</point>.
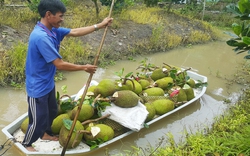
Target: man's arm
<point>89,29</point>
<point>61,65</point>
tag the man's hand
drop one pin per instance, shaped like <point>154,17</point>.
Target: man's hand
<point>90,68</point>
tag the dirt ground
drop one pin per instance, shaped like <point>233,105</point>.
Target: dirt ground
<point>117,41</point>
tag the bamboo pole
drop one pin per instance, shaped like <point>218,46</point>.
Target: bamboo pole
<point>86,86</point>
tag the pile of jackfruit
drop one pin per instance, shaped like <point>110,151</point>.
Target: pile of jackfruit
<point>160,89</point>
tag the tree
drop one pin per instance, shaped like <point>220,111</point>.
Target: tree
<point>241,32</point>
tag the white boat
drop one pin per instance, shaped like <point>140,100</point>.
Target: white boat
<point>13,128</point>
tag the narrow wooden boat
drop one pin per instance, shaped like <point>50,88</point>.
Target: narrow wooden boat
<point>53,148</point>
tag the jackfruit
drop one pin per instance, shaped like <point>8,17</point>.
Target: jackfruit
<point>125,98</point>
<point>181,96</point>
<point>75,137</point>
<point>164,83</point>
<point>132,85</point>
<point>154,91</point>
<point>144,83</point>
<point>151,111</point>
<point>158,74</point>
<point>99,131</point>
<point>24,125</point>
<point>58,123</point>
<point>191,82</point>
<point>106,88</point>
<point>86,112</point>
<point>91,89</point>
<point>163,106</point>
<point>189,92</point>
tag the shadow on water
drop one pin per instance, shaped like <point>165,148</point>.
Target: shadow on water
<point>214,60</point>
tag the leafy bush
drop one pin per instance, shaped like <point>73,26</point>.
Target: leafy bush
<point>34,4</point>
<point>241,32</point>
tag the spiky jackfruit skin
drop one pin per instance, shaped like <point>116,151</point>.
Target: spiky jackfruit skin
<point>154,91</point>
<point>106,88</point>
<point>125,98</point>
<point>86,112</point>
<point>164,83</point>
<point>151,111</point>
<point>191,82</point>
<point>144,83</point>
<point>181,96</point>
<point>91,89</point>
<point>163,106</point>
<point>132,85</point>
<point>106,133</point>
<point>189,92</point>
<point>58,123</point>
<point>158,74</point>
<point>24,125</point>
<point>75,138</point>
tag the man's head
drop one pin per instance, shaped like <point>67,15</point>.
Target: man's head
<point>53,6</point>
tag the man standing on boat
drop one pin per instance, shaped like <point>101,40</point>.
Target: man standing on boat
<point>42,60</point>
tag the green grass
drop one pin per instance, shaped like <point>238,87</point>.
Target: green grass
<point>229,135</point>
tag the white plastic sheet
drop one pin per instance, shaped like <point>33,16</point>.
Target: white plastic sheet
<point>132,118</point>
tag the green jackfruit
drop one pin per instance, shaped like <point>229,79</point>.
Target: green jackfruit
<point>191,82</point>
<point>154,91</point>
<point>132,85</point>
<point>24,125</point>
<point>106,133</point>
<point>164,83</point>
<point>158,74</point>
<point>181,96</point>
<point>87,111</point>
<point>125,98</point>
<point>75,138</point>
<point>151,111</point>
<point>58,123</point>
<point>163,106</point>
<point>144,83</point>
<point>189,92</point>
<point>106,88</point>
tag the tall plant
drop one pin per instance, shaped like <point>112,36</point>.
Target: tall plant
<point>33,4</point>
<point>241,32</point>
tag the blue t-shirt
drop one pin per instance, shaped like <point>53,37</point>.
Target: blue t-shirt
<point>43,49</point>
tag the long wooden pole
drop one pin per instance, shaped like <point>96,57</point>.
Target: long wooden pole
<point>86,86</point>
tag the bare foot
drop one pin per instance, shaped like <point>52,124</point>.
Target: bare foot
<point>48,137</point>
<point>31,149</point>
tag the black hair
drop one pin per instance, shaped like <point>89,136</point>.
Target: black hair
<point>53,6</point>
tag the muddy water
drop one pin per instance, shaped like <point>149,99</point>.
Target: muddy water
<point>215,60</point>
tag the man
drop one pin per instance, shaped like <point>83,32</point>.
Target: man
<point>42,60</point>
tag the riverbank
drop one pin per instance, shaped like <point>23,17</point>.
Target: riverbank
<point>136,31</point>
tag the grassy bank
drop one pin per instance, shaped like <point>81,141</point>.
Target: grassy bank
<point>229,135</point>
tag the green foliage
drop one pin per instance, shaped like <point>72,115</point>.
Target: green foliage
<point>15,62</point>
<point>241,32</point>
<point>34,4</point>
<point>142,15</point>
<point>17,18</point>
<point>229,135</point>
<point>119,4</point>
<point>68,124</point>
<point>74,51</point>
<point>95,143</point>
<point>150,3</point>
